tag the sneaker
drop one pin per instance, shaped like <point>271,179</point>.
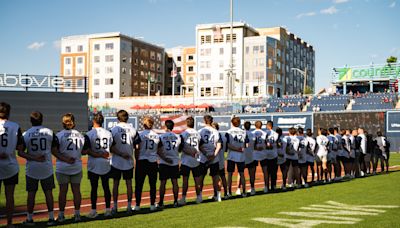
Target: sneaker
<point>182,202</point>
<point>176,204</point>
<point>92,215</point>
<point>218,197</point>
<point>129,210</point>
<point>51,222</point>
<point>199,199</point>
<point>283,187</point>
<point>290,185</point>
<point>227,196</point>
<point>238,192</point>
<point>107,213</point>
<point>244,195</point>
<point>160,206</point>
<point>306,185</point>
<point>114,211</point>
<point>60,218</point>
<point>252,192</point>
<point>77,218</point>
<point>153,208</point>
<point>265,190</point>
<point>28,222</point>
<point>137,208</point>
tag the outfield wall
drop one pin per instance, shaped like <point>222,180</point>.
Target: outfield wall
<point>52,104</point>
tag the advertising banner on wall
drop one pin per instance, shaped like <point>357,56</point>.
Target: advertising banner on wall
<point>264,118</point>
<point>286,121</point>
<point>224,122</point>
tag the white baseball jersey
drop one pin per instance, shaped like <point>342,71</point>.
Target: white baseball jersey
<point>100,142</point>
<point>171,145</point>
<point>249,151</point>
<point>71,144</point>
<point>303,143</point>
<point>259,141</point>
<point>281,149</point>
<point>221,154</point>
<point>191,138</point>
<point>310,149</point>
<point>236,137</point>
<point>149,141</point>
<point>10,137</point>
<point>271,147</point>
<point>125,137</point>
<point>39,141</point>
<point>292,147</point>
<point>322,142</point>
<point>210,138</point>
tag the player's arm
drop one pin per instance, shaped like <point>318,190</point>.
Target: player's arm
<point>115,151</point>
<point>160,152</point>
<point>230,146</point>
<point>21,150</point>
<point>55,145</point>
<point>137,147</point>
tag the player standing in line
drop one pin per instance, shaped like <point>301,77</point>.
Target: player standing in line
<point>281,150</point>
<point>382,152</point>
<point>99,164</point>
<point>337,165</point>
<point>310,155</point>
<point>364,165</point>
<point>346,151</point>
<point>40,142</point>
<point>272,156</point>
<point>237,141</point>
<point>322,153</point>
<point>72,144</point>
<point>332,153</point>
<point>303,167</point>
<point>10,140</point>
<point>292,154</point>
<point>125,138</point>
<point>146,162</point>
<point>354,155</point>
<point>210,147</point>
<point>190,159</point>
<point>260,152</point>
<point>249,162</point>
<point>221,162</point>
<point>170,145</point>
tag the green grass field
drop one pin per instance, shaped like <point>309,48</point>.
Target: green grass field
<point>375,190</point>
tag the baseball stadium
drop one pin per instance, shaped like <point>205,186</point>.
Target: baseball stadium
<point>230,132</point>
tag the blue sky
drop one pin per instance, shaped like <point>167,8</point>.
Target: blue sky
<point>353,32</point>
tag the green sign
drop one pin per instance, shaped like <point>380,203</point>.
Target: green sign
<point>368,73</point>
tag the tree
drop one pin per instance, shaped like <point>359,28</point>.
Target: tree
<point>391,59</point>
<point>308,90</point>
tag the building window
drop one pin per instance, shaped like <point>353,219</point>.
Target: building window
<point>205,51</point>
<point>262,49</point>
<point>68,49</point>
<point>95,95</point>
<point>152,55</point>
<point>97,47</point>
<point>80,48</point>
<point>109,46</point>
<point>79,60</point>
<point>109,58</point>
<point>221,76</point>
<point>96,82</point>
<point>96,59</point>
<point>124,59</point>
<point>247,49</point>
<point>178,69</point>
<point>221,63</point>
<point>109,81</point>
<point>123,70</point>
<point>67,61</point>
<point>80,71</point>
<point>109,95</point>
<point>208,39</point>
<point>228,37</point>
<point>190,57</point>
<point>158,56</point>
<point>234,50</point>
<point>190,69</point>
<point>179,58</point>
<point>247,77</point>
<point>67,72</point>
<point>109,70</point>
<point>221,51</point>
<point>96,70</point>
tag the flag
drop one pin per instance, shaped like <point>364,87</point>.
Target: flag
<point>159,123</point>
<point>174,72</point>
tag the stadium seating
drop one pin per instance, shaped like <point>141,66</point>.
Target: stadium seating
<point>375,101</point>
<point>329,103</point>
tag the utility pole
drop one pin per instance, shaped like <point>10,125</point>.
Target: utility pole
<point>304,73</point>
<point>230,77</point>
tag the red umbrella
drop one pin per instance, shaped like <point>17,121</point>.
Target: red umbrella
<point>203,106</point>
<point>136,107</point>
<point>191,106</point>
<point>167,106</point>
<point>157,106</point>
<point>181,106</point>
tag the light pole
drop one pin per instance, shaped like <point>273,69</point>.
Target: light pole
<point>148,86</point>
<point>304,73</point>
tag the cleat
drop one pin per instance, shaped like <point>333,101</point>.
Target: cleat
<point>153,208</point>
<point>92,215</point>
<point>182,202</point>
<point>51,222</point>
<point>28,222</point>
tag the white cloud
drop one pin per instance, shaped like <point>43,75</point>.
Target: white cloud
<point>309,14</point>
<point>392,5</point>
<point>36,45</point>
<point>331,10</point>
<point>339,1</point>
<point>57,44</point>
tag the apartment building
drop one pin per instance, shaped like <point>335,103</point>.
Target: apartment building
<point>116,65</point>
